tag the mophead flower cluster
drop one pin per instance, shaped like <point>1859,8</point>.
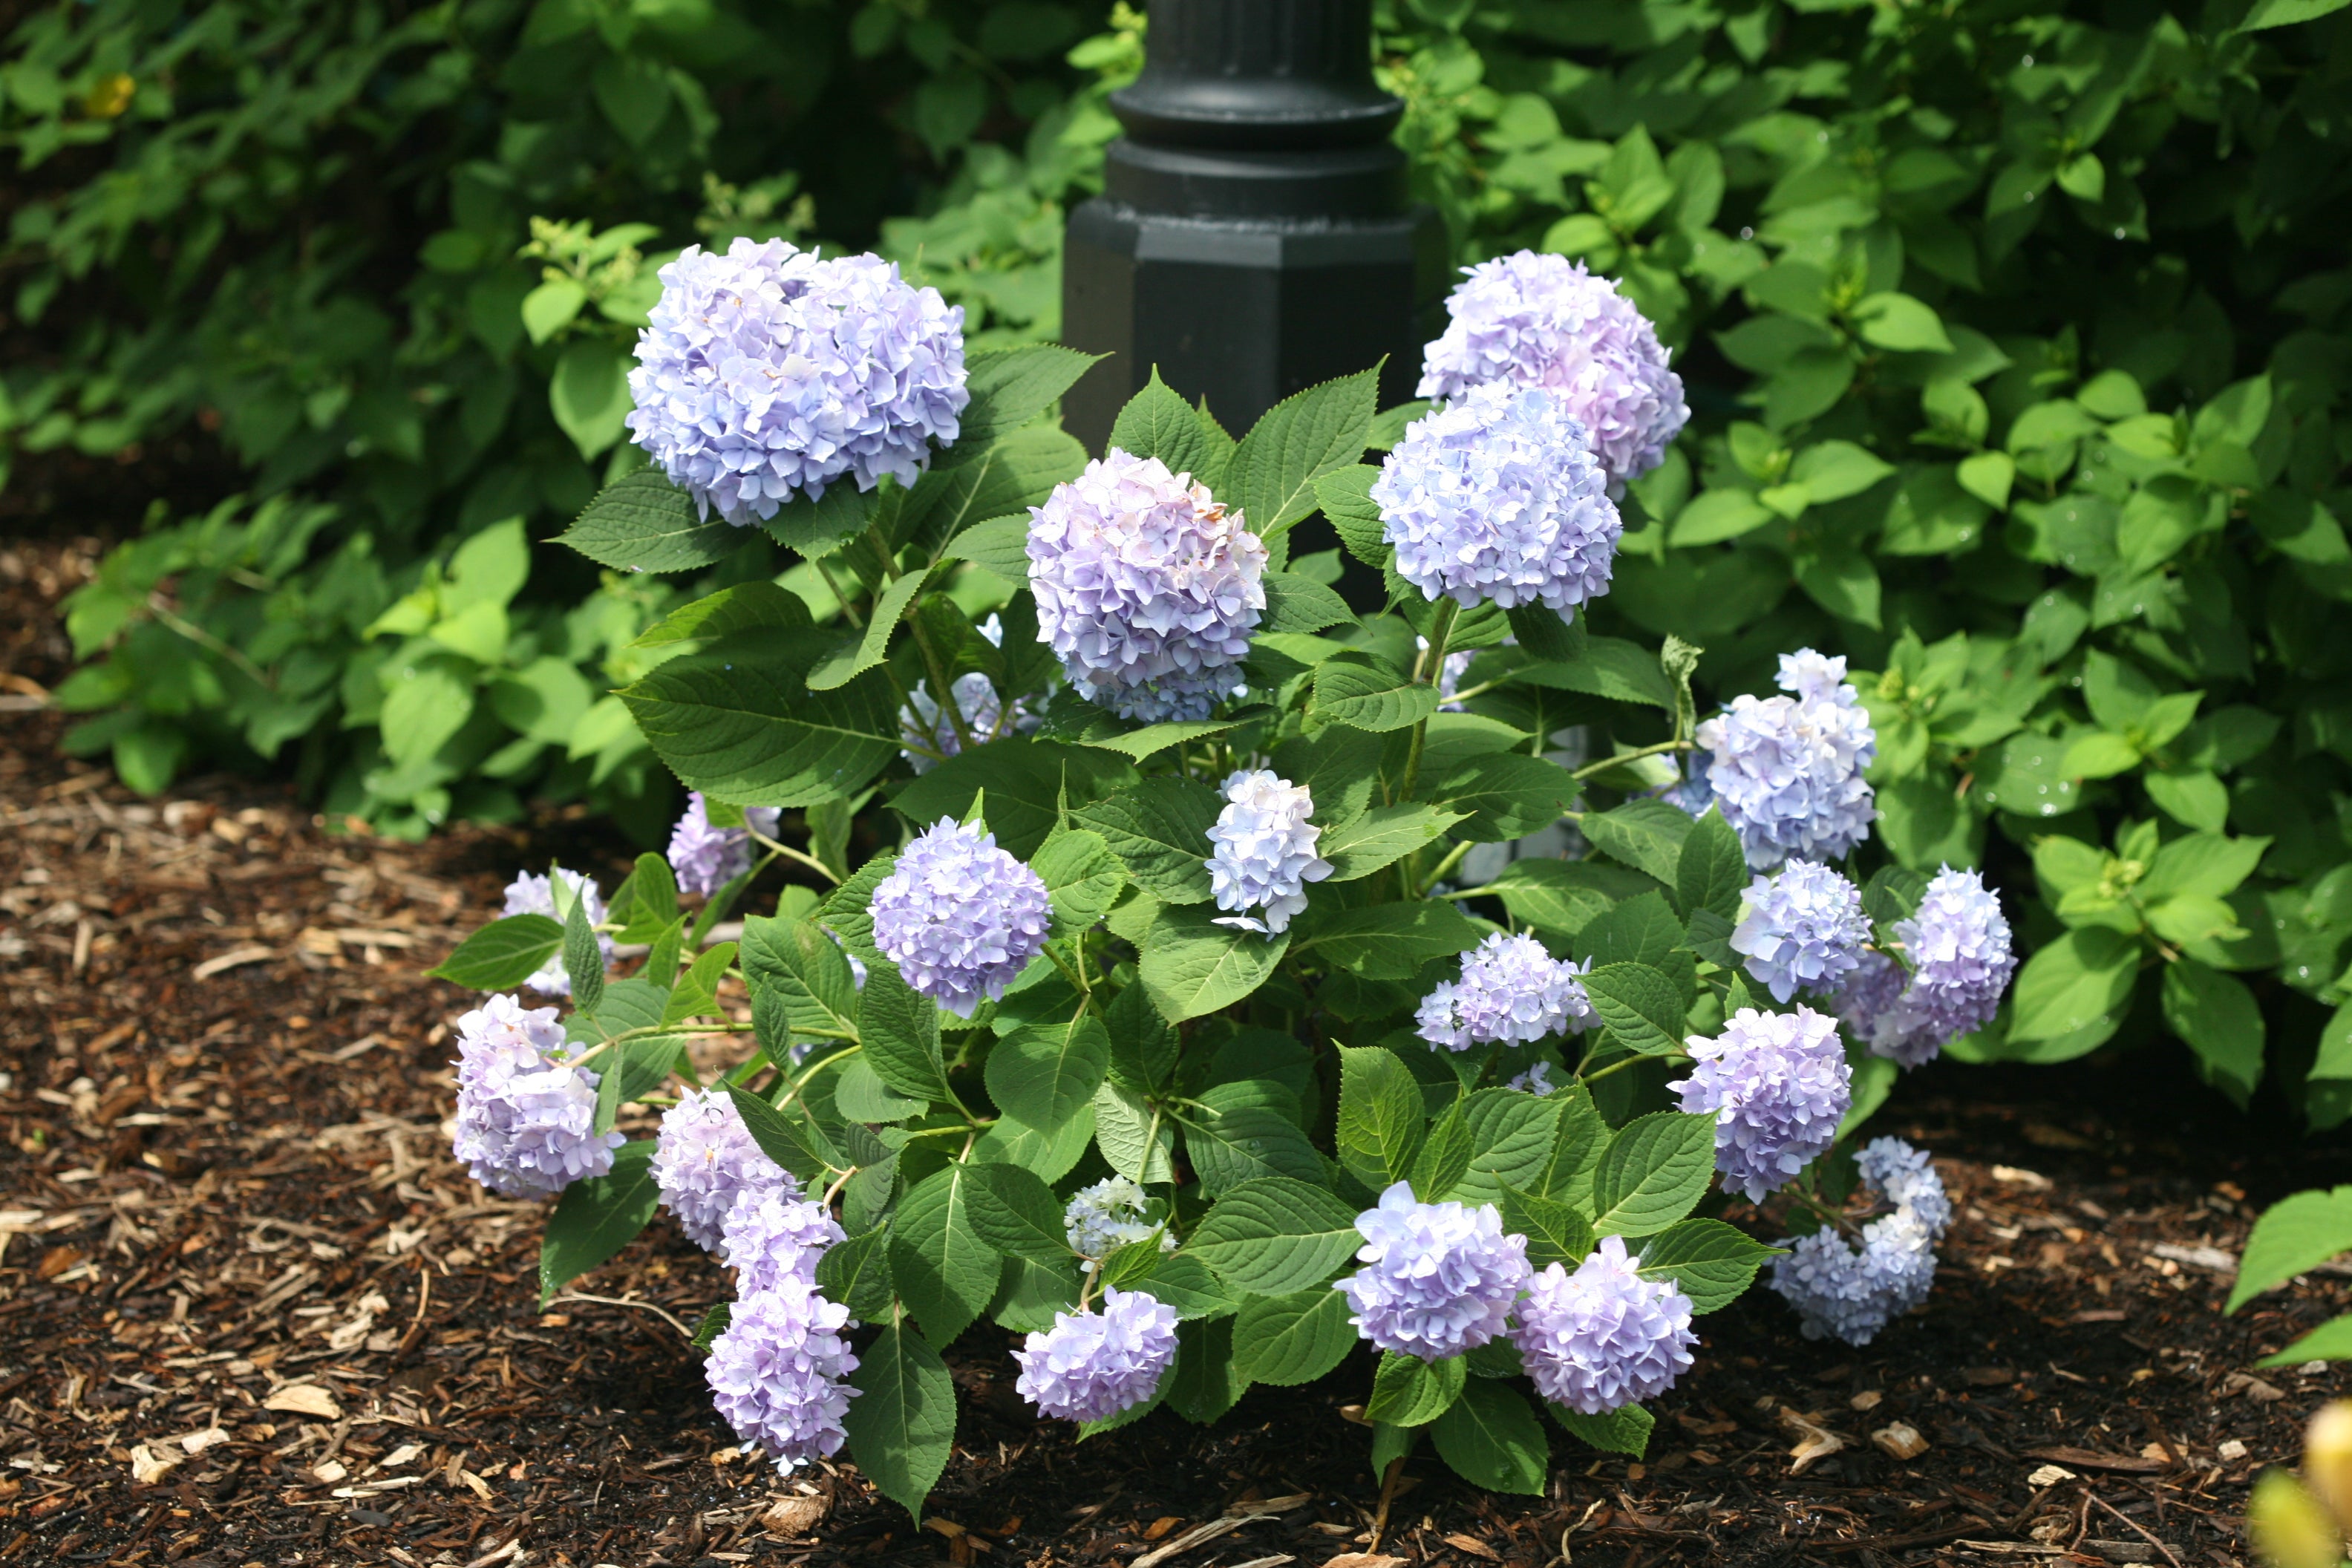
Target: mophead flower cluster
<point>705,858</point>
<point>1851,1290</point>
<point>1264,853</point>
<point>1438,1279</point>
<point>1090,1365</point>
<point>959,917</point>
<point>1787,772</point>
<point>532,893</point>
<point>1777,1084</point>
<point>526,1108</point>
<point>1801,928</point>
<point>1512,991</point>
<point>1958,945</point>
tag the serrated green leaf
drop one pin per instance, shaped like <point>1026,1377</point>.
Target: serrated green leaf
<point>1653,1170</point>
<point>901,1424</point>
<point>597,1216</point>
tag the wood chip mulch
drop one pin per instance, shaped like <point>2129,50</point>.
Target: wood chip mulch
<point>251,1313</point>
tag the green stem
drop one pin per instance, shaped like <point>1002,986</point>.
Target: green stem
<point>838,596</point>
<point>1607,762</point>
<point>944,692</point>
<point>1427,672</point>
<point>789,853</point>
<point>1621,1064</point>
<point>1452,859</point>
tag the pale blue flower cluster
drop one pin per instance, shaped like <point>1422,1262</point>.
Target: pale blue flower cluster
<point>778,1373</point>
<point>1787,772</point>
<point>706,858</point>
<point>1146,587</point>
<point>526,1110</point>
<point>1511,992</point>
<point>1777,1084</point>
<point>1438,1279</point>
<point>960,917</point>
<point>1801,928</point>
<point>1102,1218</point>
<point>1536,319</point>
<point>704,1159</point>
<point>1847,1292</point>
<point>532,894</point>
<point>1091,1365</point>
<point>1264,851</point>
<point>924,723</point>
<point>1497,498</point>
<point>773,1234</point>
<point>1536,1080</point>
<point>1604,1337</point>
<point>1957,942</point>
<point>768,372</point>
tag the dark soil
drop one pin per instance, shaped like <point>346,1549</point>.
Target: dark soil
<point>251,1313</point>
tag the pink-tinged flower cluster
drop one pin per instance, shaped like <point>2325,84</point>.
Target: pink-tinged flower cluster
<point>960,917</point>
<point>1776,1085</point>
<point>768,372</point>
<point>532,894</point>
<point>1801,929</point>
<point>1535,319</point>
<point>1091,1365</point>
<point>1264,851</point>
<point>704,1160</point>
<point>706,858</point>
<point>1604,1337</point>
<point>778,1371</point>
<point>1511,992</point>
<point>526,1110</point>
<point>1438,1279</point>
<point>1787,772</point>
<point>1146,587</point>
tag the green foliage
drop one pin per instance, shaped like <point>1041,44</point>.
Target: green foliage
<point>2295,1235</point>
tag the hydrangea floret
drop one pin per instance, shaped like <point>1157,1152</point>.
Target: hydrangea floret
<point>1777,1084</point>
<point>704,1160</point>
<point>1604,1337</point>
<point>706,858</point>
<point>526,1107</point>
<point>959,917</point>
<point>773,1234</point>
<point>1801,928</point>
<point>532,893</point>
<point>779,1373</point>
<point>1511,991</point>
<point>1091,1365</point>
<point>1957,942</point>
<point>1438,1279</point>
<point>1787,772</point>
<point>1109,1214</point>
<point>1851,1289</point>
<point>1265,854</point>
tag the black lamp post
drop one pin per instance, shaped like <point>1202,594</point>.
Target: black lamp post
<point>1253,235</point>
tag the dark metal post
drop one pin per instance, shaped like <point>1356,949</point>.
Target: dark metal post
<point>1253,235</point>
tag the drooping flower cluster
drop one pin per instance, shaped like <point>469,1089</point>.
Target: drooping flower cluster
<point>1788,771</point>
<point>1801,928</point>
<point>1102,1218</point>
<point>773,1234</point>
<point>1511,991</point>
<point>1264,853</point>
<point>526,1111</point>
<point>960,917</point>
<point>778,1373</point>
<point>1957,942</point>
<point>1604,1337</point>
<point>704,1160</point>
<point>1146,587</point>
<point>1847,1292</point>
<point>1089,1366</point>
<point>706,858</point>
<point>1497,498</point>
<point>532,894</point>
<point>1543,321</point>
<point>768,372</point>
<point>1438,1279</point>
<point>1777,1084</point>
<point>924,723</point>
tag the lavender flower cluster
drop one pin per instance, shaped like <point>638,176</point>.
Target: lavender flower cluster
<point>1604,1337</point>
<point>1534,319</point>
<point>1801,928</point>
<point>1147,588</point>
<point>1438,1279</point>
<point>1498,498</point>
<point>769,373</point>
<point>960,917</point>
<point>1511,991</point>
<point>1264,851</point>
<point>1787,772</point>
<point>1957,942</point>
<point>1849,1293</point>
<point>1091,1365</point>
<point>779,1372</point>
<point>929,730</point>
<point>1776,1085</point>
<point>773,1234</point>
<point>706,858</point>
<point>532,894</point>
<point>526,1110</point>
<point>704,1160</point>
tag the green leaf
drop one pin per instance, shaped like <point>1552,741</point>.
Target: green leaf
<point>900,1030</point>
<point>1275,1235</point>
<point>1511,1137</point>
<point>1625,1430</point>
<point>1160,830</point>
<point>584,960</point>
<point>1556,1233</point>
<point>1382,1116</point>
<point>1143,1046</point>
<point>1505,796</point>
<point>2221,1022</point>
<point>795,1146</point>
<point>2295,1235</point>
<point>2206,863</point>
<point>1576,1153</point>
<point>1718,515</point>
<point>800,981</point>
<point>696,994</point>
<point>890,608</point>
<point>597,1216</point>
<point>743,607</point>
<point>2331,1340</point>
<point>1380,836</point>
<point>1902,323</point>
<point>1445,1156</point>
<point>1410,1392</point>
<point>1292,1339</point>
<point>2079,981</point>
<point>1185,1283</point>
<point>1083,878</point>
<point>1345,496</point>
<point>1238,1139</point>
<point>1015,473</point>
<point>860,1095</point>
<point>736,720</point>
<point>1271,478</point>
<point>1139,1145</point>
<point>1296,603</point>
<point>1641,1005</point>
<point>1565,896</point>
<point>1338,769</point>
<point>856,1273</point>
<point>502,954</point>
<point>714,1324</point>
<point>1193,966</point>
<point>1203,1384</point>
<point>1493,1440</point>
<point>1647,835</point>
<point>1016,1214</point>
<point>1709,1261</point>
<point>1612,668</point>
<point>645,904</point>
<point>1712,871</point>
<point>642,522</point>
<point>902,1423</point>
<point>1391,942</point>
<point>1026,786</point>
<point>1044,1074</point>
<point>1157,423</point>
<point>945,1273</point>
<point>1009,388</point>
<point>1353,690</point>
<point>1001,545</point>
<point>2286,13</point>
<point>589,393</point>
<point>1652,1171</point>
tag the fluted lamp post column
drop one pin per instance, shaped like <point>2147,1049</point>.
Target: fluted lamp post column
<point>1254,234</point>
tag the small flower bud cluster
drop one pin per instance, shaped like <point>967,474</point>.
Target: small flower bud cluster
<point>1777,1084</point>
<point>1958,945</point>
<point>1536,1080</point>
<point>1496,498</point>
<point>1511,991</point>
<point>704,1160</point>
<point>1091,1365</point>
<point>1788,771</point>
<point>706,858</point>
<point>1847,1292</point>
<point>531,894</point>
<point>768,372</point>
<point>1438,1279</point>
<point>1264,853</point>
<point>960,917</point>
<point>778,1373</point>
<point>1102,1218</point>
<point>1604,1337</point>
<point>1146,587</point>
<point>1536,319</point>
<point>1802,929</point>
<point>526,1111</point>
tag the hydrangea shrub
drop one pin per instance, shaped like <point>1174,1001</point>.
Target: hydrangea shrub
<point>1212,1020</point>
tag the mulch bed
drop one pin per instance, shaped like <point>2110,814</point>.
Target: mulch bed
<point>251,1313</point>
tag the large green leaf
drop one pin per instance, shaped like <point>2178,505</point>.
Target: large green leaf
<point>1015,1213</point>
<point>1643,1007</point>
<point>1159,829</point>
<point>1157,423</point>
<point>597,1216</point>
<point>2221,1022</point>
<point>1272,475</point>
<point>1711,872</point>
<point>1556,1232</point>
<point>1654,1171</point>
<point>1503,794</point>
<point>1010,387</point>
<point>1391,942</point>
<point>1025,784</point>
<point>1367,695</point>
<point>1646,835</point>
<point>2294,1237</point>
<point>1291,1338</point>
<point>1380,835</point>
<point>1237,1138</point>
<point>1044,1074</point>
<point>1138,1142</point>
<point>800,979</point>
<point>902,1423</point>
<point>1275,1235</point>
<point>1191,966</point>
<point>736,720</point>
<point>1202,1385</point>
<point>900,1030</point>
<point>1410,1392</point>
<point>1564,896</point>
<point>1625,1430</point>
<point>1493,1440</point>
<point>1709,1261</point>
<point>1381,1117</point>
<point>2079,981</point>
<point>642,522</point>
<point>502,954</point>
<point>946,1274</point>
